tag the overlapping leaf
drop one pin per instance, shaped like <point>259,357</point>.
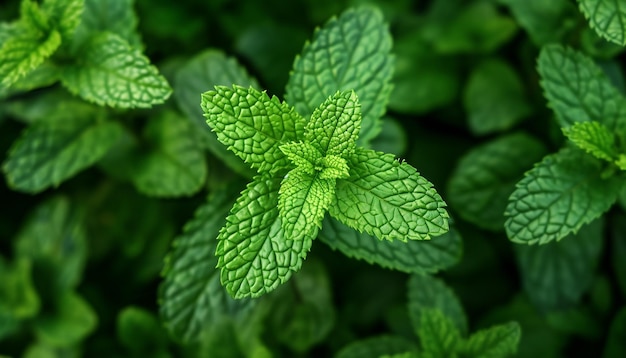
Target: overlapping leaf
<point>607,17</point>
<point>437,333</point>
<point>388,199</point>
<point>594,138</point>
<point>64,15</point>
<point>495,341</point>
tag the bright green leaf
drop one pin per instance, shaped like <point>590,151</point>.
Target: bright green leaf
<point>578,90</point>
<point>334,126</point>
<point>110,72</point>
<point>493,342</point>
<point>34,18</point>
<point>252,125</point>
<point>494,98</point>
<point>52,151</point>
<point>64,15</point>
<point>437,333</point>
<point>594,138</point>
<point>607,17</point>
<point>303,200</point>
<point>558,196</point>
<point>615,343</point>
<point>303,155</point>
<point>115,16</point>
<point>175,166</point>
<point>23,53</point>
<point>375,347</point>
<point>333,167</point>
<point>557,274</point>
<point>429,293</point>
<point>420,257</point>
<point>140,331</point>
<point>351,52</point>
<point>18,296</point>
<point>204,71</point>
<point>71,321</point>
<point>485,177</point>
<point>388,199</point>
<point>254,254</point>
<point>191,296</point>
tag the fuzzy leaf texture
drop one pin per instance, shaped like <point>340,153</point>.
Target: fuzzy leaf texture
<point>110,72</point>
<point>23,53</point>
<point>607,18</point>
<point>252,125</point>
<point>303,200</point>
<point>174,165</point>
<point>558,196</point>
<point>493,342</point>
<point>254,253</point>
<point>351,52</point>
<point>52,151</point>
<point>594,138</point>
<point>335,124</point>
<point>578,90</point>
<point>303,155</point>
<point>420,257</point>
<point>388,199</point>
<point>191,296</point>
<point>375,347</point>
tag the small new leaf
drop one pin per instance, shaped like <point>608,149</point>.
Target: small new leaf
<point>375,347</point>
<point>594,138</point>
<point>493,342</point>
<point>333,167</point>
<point>607,17</point>
<point>303,155</point>
<point>335,124</point>
<point>110,72</point>
<point>438,335</point>
<point>559,195</point>
<point>388,199</point>
<point>252,125</point>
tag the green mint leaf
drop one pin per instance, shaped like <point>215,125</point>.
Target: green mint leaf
<point>175,164</point>
<point>115,16</point>
<point>621,161</point>
<point>494,98</point>
<point>206,70</point>
<point>493,342</point>
<point>388,199</point>
<point>191,297</point>
<point>485,177</point>
<point>429,293</point>
<point>607,17</point>
<point>252,125</point>
<point>52,151</point>
<point>544,21</point>
<point>54,240</point>
<point>351,52</point>
<point>420,257</point>
<point>72,321</point>
<point>25,52</point>
<point>558,196</point>
<point>375,347</point>
<point>335,124</point>
<point>333,167</point>
<point>34,18</point>
<point>110,72</point>
<point>578,90</point>
<point>615,344</point>
<point>64,15</point>
<point>557,274</point>
<point>303,155</point>
<point>18,295</point>
<point>140,331</point>
<point>437,333</point>
<point>254,253</point>
<point>594,138</point>
<point>303,200</point>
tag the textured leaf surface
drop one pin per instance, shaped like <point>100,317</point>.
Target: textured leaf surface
<point>206,70</point>
<point>437,333</point>
<point>414,256</point>
<point>388,199</point>
<point>594,138</point>
<point>254,254</point>
<point>558,196</point>
<point>607,17</point>
<point>111,72</point>
<point>493,342</point>
<point>115,16</point>
<point>175,165</point>
<point>485,177</point>
<point>50,152</point>
<point>302,154</point>
<point>494,98</point>
<point>351,52</point>
<point>303,201</point>
<point>375,347</point>
<point>64,15</point>
<point>426,292</point>
<point>23,53</point>
<point>578,90</point>
<point>252,125</point>
<point>556,275</point>
<point>335,124</point>
<point>191,296</point>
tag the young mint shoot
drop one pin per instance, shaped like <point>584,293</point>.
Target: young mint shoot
<point>306,169</point>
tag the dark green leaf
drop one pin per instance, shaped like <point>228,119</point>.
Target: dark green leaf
<point>140,331</point>
<point>616,344</point>
<point>375,347</point>
<point>437,333</point>
<point>493,342</point>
